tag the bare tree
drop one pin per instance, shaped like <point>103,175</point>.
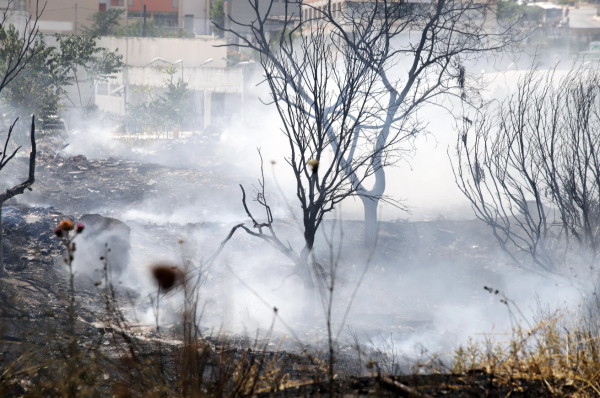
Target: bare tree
<point>15,60</point>
<point>323,92</point>
<point>20,54</point>
<point>436,40</point>
<point>6,157</point>
<point>531,170</point>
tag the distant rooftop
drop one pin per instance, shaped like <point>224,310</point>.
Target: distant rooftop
<point>545,6</point>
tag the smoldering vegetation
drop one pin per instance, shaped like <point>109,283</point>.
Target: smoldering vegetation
<point>240,259</point>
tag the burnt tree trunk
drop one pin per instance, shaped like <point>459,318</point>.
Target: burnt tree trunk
<point>370,201</point>
<point>302,270</point>
<point>370,207</point>
<point>2,268</point>
<point>17,190</point>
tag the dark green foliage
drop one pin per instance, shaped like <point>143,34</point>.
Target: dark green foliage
<point>217,15</point>
<point>82,53</point>
<point>511,11</point>
<point>38,88</point>
<point>152,30</point>
<point>104,22</point>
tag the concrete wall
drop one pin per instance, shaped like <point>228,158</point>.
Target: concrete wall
<point>12,5</point>
<point>139,51</point>
<point>242,12</point>
<point>198,12</point>
<point>19,20</point>
<point>216,93</point>
<point>216,90</point>
<point>154,5</point>
<point>110,96</point>
<point>222,80</point>
<point>113,104</point>
<point>61,16</point>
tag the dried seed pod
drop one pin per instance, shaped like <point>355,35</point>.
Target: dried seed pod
<point>166,276</point>
<point>58,232</point>
<point>66,225</point>
<point>313,164</point>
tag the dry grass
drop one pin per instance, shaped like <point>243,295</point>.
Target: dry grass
<point>559,356</point>
<point>561,351</point>
<point>72,362</point>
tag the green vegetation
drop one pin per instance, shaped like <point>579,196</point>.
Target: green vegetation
<point>217,16</point>
<point>82,53</point>
<point>152,30</point>
<point>163,112</point>
<point>37,88</point>
<point>41,84</point>
<point>105,22</point>
<point>509,10</point>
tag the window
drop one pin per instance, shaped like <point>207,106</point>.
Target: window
<point>168,19</point>
<point>175,4</point>
<point>130,3</point>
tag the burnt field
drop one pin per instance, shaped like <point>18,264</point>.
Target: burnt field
<point>291,199</point>
<point>398,331</point>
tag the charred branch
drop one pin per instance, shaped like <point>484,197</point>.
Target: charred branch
<point>329,77</point>
<point>19,189</point>
<point>531,171</point>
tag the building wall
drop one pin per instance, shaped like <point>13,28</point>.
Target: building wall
<point>216,94</point>
<point>15,5</point>
<point>198,12</point>
<point>222,80</point>
<point>192,15</point>
<point>138,51</point>
<point>216,90</point>
<point>242,12</point>
<point>310,8</point>
<point>337,8</point>
<point>18,19</point>
<point>154,5</point>
<point>62,16</point>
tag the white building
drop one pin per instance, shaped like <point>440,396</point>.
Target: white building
<point>214,86</point>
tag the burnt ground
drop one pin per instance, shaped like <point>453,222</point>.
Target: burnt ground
<point>77,185</point>
<point>457,258</point>
<point>455,386</point>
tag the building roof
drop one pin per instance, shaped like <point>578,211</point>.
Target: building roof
<point>584,21</point>
<point>545,6</point>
